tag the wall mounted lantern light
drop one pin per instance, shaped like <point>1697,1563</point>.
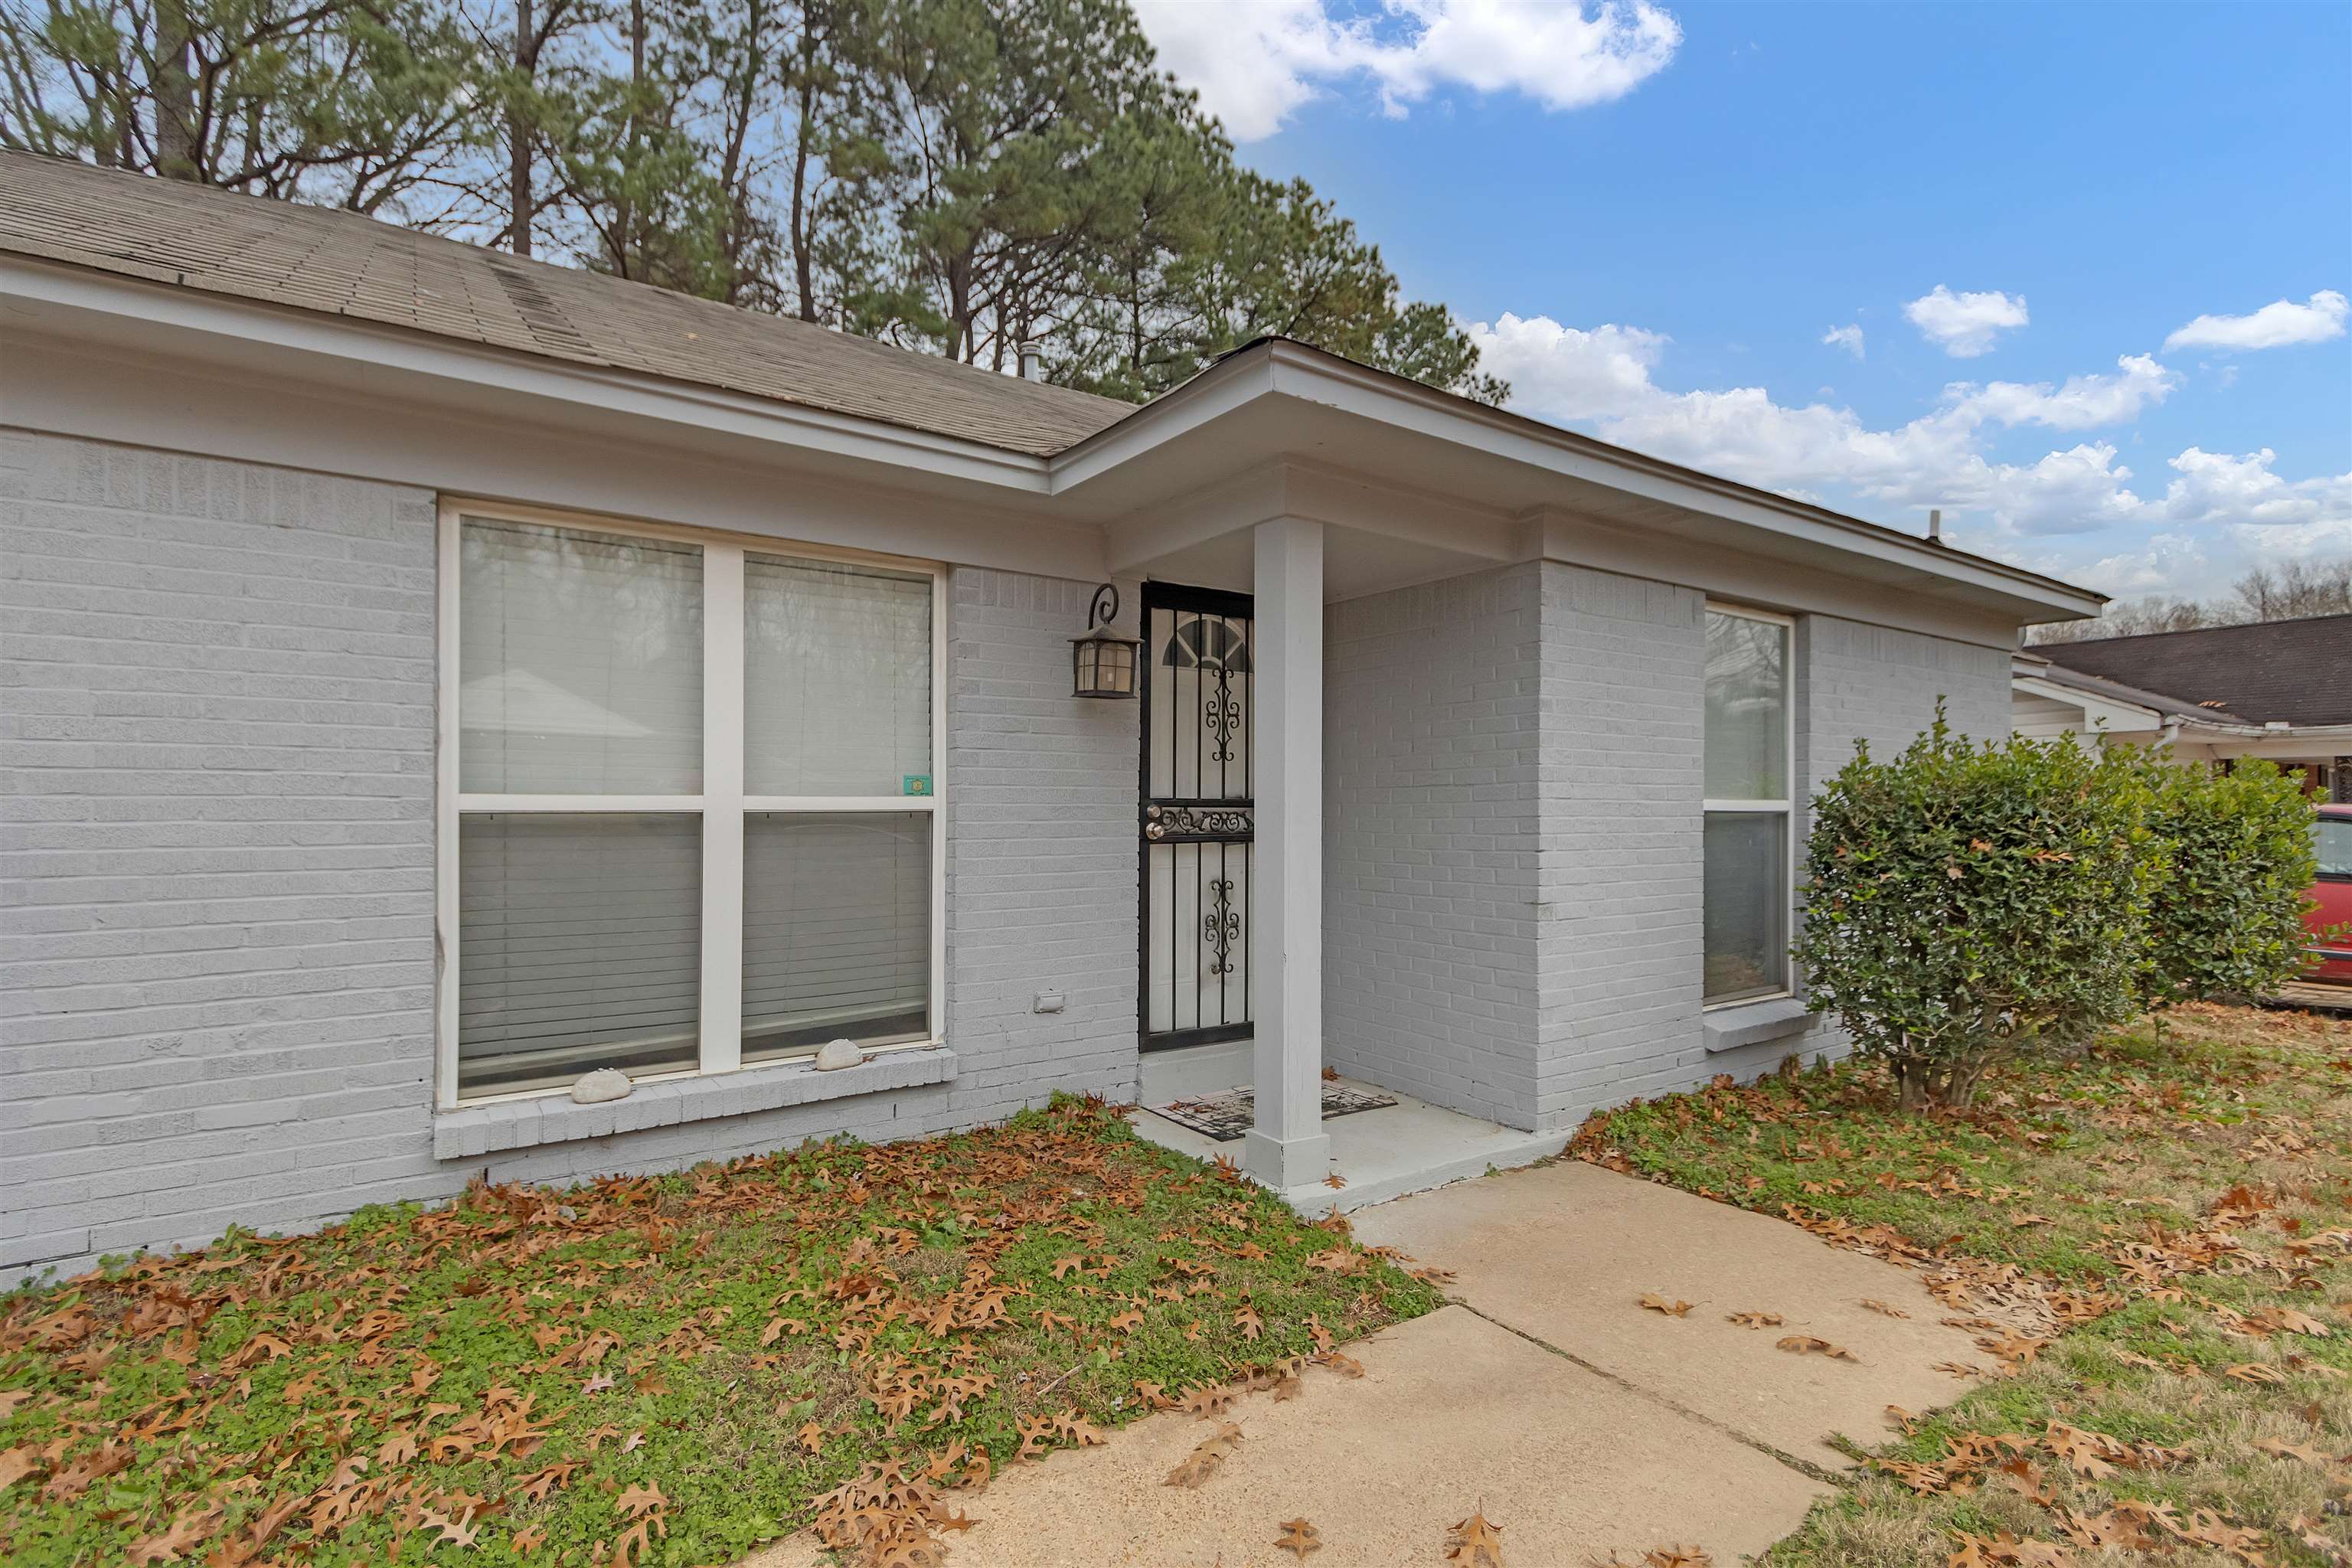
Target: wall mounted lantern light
<point>1102,664</point>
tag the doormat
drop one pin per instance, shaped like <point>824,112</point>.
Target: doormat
<point>1225,1117</point>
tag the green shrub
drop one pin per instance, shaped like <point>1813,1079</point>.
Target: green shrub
<point>1962,900</point>
<point>2225,917</point>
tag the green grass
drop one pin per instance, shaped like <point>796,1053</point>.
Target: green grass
<point>2173,1187</point>
<point>265,1392</point>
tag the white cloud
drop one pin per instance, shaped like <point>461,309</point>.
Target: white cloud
<point>2279,324</point>
<point>1964,325</point>
<point>1847,338</point>
<point>2082,402</point>
<point>1255,62</point>
<point>1565,374</point>
<point>1604,376</point>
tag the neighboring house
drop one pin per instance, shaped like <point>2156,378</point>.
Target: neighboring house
<point>2277,690</point>
<point>431,676</point>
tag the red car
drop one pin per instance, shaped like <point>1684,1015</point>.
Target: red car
<point>2332,957</point>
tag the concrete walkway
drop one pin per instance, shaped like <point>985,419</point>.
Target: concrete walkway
<point>1580,1422</point>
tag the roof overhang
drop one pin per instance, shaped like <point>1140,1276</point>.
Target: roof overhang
<point>1422,484</point>
<point>1574,498</point>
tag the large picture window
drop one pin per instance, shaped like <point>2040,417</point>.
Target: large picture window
<point>689,813</point>
<point>1749,765</point>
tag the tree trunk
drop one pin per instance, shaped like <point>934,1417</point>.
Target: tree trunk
<point>804,135</point>
<point>628,250</point>
<point>519,197</point>
<point>175,94</point>
<point>1911,1086</point>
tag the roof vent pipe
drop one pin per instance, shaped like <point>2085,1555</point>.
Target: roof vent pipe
<point>1033,360</point>
<point>1936,526</point>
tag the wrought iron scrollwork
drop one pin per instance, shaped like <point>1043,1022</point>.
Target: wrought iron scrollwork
<point>1223,715</point>
<point>1169,824</point>
<point>1221,927</point>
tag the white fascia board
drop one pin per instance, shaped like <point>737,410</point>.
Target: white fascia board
<point>367,347</point>
<point>1372,394</point>
<point>1313,492</point>
<point>2098,713</point>
<point>260,337</point>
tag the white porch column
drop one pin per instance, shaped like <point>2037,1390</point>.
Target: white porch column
<point>1287,1147</point>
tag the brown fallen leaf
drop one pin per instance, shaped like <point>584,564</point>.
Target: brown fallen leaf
<point>16,1463</point>
<point>1335,1181</point>
<point>1960,1368</point>
<point>1882,1308</point>
<point>2278,1449</point>
<point>1299,1538</point>
<point>640,1500</point>
<point>1677,1557</point>
<point>1341,1362</point>
<point>528,1539</point>
<point>1658,1303</point>
<point>1475,1543</point>
<point>1807,1344</point>
<point>1246,1319</point>
<point>1755,1319</point>
<point>1206,1458</point>
<point>1215,1400</point>
<point>2254,1372</point>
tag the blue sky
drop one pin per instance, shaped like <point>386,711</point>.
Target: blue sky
<point>1653,216</point>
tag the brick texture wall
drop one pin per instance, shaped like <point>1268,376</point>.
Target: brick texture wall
<point>1431,840</point>
<point>1625,672</point>
<point>1041,852</point>
<point>218,961</point>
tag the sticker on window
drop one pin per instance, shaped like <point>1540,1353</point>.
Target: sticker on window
<point>915,784</point>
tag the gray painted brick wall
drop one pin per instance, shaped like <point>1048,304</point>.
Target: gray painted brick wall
<point>1042,853</point>
<point>1624,671</point>
<point>1431,842</point>
<point>217,958</point>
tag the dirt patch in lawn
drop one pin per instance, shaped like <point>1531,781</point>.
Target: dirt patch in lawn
<point>656,1370</point>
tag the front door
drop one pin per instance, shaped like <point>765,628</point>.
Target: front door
<point>1197,818</point>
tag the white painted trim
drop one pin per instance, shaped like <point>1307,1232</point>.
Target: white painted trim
<point>445,807</point>
<point>377,348</point>
<point>578,803</point>
<point>151,318</point>
<point>1786,806</point>
<point>723,726</point>
<point>1287,1147</point>
<point>1750,613</point>
<point>939,656</point>
<point>722,804</point>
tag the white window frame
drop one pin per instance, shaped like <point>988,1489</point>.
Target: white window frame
<point>721,806</point>
<point>1786,806</point>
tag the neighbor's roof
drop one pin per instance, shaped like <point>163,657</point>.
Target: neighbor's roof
<point>2117,691</point>
<point>344,263</point>
<point>2298,671</point>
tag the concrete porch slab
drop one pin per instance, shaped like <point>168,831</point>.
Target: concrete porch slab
<point>1453,1414</point>
<point>1410,1147</point>
<point>1564,1253</point>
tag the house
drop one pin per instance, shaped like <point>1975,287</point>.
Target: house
<point>2277,690</point>
<point>433,678</point>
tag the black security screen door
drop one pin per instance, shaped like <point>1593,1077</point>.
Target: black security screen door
<point>1198,821</point>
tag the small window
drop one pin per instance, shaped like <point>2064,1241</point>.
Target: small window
<point>2333,835</point>
<point>1748,766</point>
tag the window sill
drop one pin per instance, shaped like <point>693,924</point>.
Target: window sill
<point>478,1130</point>
<point>1753,1023</point>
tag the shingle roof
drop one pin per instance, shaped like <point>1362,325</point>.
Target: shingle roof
<point>2299,671</point>
<point>318,258</point>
